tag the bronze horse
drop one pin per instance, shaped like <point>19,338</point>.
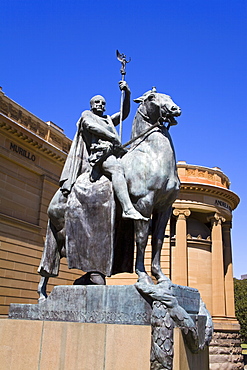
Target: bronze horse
<point>151,173</point>
<point>153,184</point>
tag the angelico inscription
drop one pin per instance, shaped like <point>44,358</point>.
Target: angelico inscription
<point>22,152</point>
<point>222,204</point>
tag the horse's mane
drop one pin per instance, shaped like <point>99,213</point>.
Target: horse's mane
<point>139,124</point>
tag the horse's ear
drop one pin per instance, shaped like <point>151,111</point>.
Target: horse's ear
<point>138,100</point>
<point>148,95</point>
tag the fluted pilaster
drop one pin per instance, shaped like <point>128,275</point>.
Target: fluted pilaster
<point>180,255</point>
<point>218,281</point>
<point>229,287</point>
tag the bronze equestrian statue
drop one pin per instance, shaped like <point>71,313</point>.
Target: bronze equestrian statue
<point>109,193</point>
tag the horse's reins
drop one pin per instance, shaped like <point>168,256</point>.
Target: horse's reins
<point>140,135</point>
<point>158,123</point>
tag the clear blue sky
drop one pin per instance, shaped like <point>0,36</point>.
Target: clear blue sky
<point>57,54</point>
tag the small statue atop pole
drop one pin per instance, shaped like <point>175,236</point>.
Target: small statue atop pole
<point>123,61</point>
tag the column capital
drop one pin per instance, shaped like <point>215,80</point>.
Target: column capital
<point>216,218</point>
<point>185,212</point>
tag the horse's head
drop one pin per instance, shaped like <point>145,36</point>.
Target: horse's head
<point>157,106</point>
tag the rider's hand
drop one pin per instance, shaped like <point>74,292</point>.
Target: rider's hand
<point>116,142</point>
<point>124,86</point>
<point>118,150</point>
<point>65,192</point>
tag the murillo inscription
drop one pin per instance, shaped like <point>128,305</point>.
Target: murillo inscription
<point>22,152</point>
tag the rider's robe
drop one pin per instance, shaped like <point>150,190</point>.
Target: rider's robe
<point>97,238</point>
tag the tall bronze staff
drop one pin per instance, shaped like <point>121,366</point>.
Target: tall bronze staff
<point>123,61</point>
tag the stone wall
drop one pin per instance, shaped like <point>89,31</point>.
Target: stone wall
<point>30,167</point>
<point>225,352</point>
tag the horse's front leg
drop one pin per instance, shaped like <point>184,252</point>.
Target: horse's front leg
<point>159,222</point>
<point>141,232</point>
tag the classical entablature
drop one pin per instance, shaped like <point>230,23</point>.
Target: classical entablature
<point>207,198</point>
<point>215,191</point>
<point>22,135</point>
<point>26,127</point>
<point>205,190</point>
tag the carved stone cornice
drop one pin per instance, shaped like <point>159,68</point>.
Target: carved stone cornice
<point>33,140</point>
<point>211,190</point>
<point>10,111</point>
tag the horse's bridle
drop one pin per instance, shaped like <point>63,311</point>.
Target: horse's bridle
<point>152,126</point>
<point>147,119</point>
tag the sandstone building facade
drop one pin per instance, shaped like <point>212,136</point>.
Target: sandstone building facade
<point>197,252</point>
<point>33,153</point>
<point>197,248</point>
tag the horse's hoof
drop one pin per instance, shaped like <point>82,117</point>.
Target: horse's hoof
<point>165,281</point>
<point>42,299</point>
<point>145,280</point>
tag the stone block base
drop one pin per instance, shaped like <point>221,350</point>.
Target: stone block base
<point>31,344</point>
<point>225,352</point>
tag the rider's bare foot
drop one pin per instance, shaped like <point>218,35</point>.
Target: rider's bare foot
<point>133,214</point>
<point>97,278</point>
<point>91,278</point>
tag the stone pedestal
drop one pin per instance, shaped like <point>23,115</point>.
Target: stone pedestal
<point>58,345</point>
<point>108,304</point>
<point>91,327</point>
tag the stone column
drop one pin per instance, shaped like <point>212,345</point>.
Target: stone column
<point>218,283</point>
<point>229,287</point>
<point>180,255</point>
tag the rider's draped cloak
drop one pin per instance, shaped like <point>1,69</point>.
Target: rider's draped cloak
<point>97,238</point>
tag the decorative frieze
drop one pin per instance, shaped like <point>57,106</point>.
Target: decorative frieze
<point>212,176</point>
<point>3,107</point>
<point>42,132</point>
<point>55,139</point>
<point>190,172</point>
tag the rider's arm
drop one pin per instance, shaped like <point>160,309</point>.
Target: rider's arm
<point>90,123</point>
<point>126,104</point>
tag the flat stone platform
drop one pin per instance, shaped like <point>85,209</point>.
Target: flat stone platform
<point>72,330</point>
<point>101,304</point>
